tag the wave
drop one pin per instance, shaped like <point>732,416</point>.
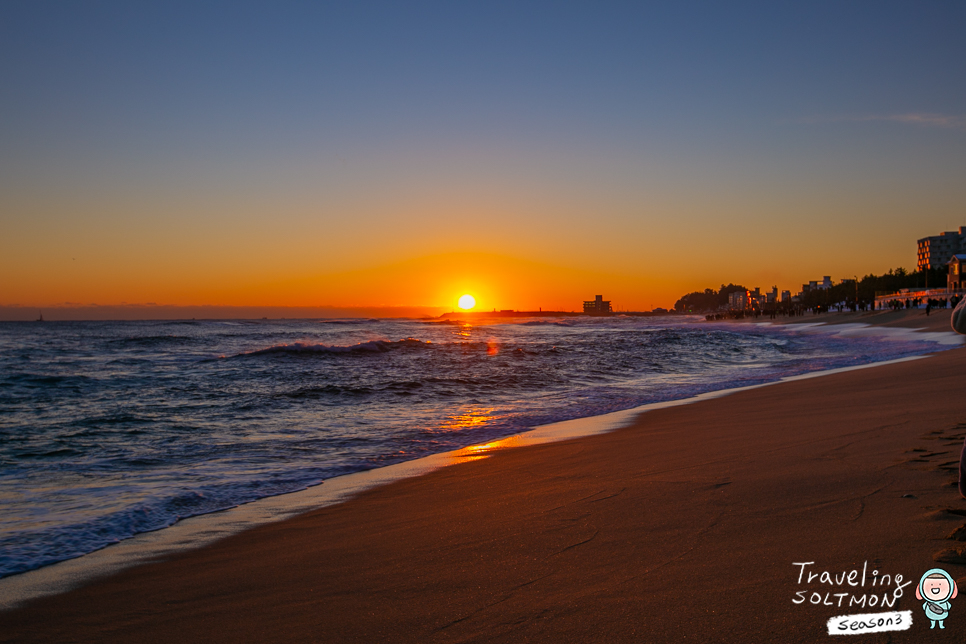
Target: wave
<point>328,390</point>
<point>35,380</point>
<point>545,323</point>
<point>152,340</point>
<point>372,346</point>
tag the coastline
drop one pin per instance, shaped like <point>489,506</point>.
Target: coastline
<point>203,529</point>
<point>375,506</point>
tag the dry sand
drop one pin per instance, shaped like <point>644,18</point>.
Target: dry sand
<point>682,527</point>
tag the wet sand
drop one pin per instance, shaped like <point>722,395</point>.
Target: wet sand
<point>683,526</point>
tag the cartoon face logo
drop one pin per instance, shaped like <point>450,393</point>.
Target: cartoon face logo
<point>936,588</point>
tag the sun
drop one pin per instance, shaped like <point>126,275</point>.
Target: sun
<point>467,302</point>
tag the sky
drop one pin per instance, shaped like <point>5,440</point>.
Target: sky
<point>533,154</point>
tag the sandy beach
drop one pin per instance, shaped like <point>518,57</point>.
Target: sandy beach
<point>686,525</point>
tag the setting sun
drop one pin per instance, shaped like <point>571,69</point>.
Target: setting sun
<point>467,302</point>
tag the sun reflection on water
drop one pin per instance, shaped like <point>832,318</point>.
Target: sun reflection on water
<point>477,452</point>
<point>468,419</point>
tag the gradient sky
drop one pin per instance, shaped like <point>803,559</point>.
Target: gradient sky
<point>534,154</point>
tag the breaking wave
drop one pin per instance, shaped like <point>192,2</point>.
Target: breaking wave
<point>546,323</point>
<point>372,346</point>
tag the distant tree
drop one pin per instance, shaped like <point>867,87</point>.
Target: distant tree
<point>697,301</point>
<point>707,300</point>
<point>843,292</point>
<point>891,281</point>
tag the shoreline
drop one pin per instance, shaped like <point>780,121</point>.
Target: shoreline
<point>706,475</point>
<point>689,520</point>
<point>202,530</point>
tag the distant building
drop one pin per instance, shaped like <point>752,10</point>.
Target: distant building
<point>786,296</point>
<point>936,251</point>
<point>758,300</point>
<point>955,281</point>
<point>738,300</point>
<point>597,305</point>
<point>814,285</point>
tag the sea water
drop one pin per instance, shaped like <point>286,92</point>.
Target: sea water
<point>109,429</point>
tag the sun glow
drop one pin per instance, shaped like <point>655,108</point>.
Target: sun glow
<point>467,302</point>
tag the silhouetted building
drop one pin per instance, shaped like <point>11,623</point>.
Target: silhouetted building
<point>597,305</point>
<point>815,285</point>
<point>936,251</point>
<point>955,281</point>
<point>756,298</point>
<point>738,300</point>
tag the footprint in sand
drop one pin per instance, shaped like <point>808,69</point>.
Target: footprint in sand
<point>959,534</point>
<point>946,514</point>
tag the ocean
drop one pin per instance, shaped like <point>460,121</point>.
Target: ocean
<point>110,429</point>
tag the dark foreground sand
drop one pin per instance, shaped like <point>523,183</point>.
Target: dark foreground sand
<point>682,527</point>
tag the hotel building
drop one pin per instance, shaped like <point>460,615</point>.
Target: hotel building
<point>935,252</point>
<point>597,305</point>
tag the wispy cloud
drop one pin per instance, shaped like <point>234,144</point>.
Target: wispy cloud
<point>955,121</point>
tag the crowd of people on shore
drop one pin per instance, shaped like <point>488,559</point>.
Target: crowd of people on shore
<point>796,310</point>
<point>772,313</point>
<point>775,312</point>
<point>916,303</point>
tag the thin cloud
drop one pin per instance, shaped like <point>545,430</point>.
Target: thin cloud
<point>955,122</point>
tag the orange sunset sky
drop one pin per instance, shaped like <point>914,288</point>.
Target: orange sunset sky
<point>399,157</point>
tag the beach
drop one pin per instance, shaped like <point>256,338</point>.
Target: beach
<point>686,525</point>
